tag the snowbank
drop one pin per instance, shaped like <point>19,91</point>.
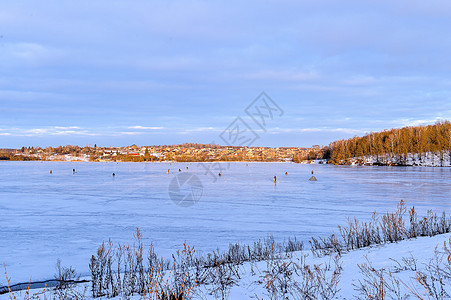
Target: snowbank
<point>402,260</point>
<point>430,159</point>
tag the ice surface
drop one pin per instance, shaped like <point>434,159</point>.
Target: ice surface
<point>64,215</point>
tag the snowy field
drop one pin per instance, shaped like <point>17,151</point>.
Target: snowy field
<point>66,215</point>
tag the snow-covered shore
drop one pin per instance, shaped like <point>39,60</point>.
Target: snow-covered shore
<point>400,263</point>
<point>384,257</point>
<point>430,159</point>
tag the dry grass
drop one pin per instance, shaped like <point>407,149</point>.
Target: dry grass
<point>28,295</point>
<point>158,279</point>
<point>390,228</point>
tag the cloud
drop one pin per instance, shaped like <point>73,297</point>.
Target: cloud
<point>145,128</point>
<point>197,129</point>
<point>47,131</point>
<point>28,54</point>
<point>67,127</point>
<point>319,129</point>
<point>75,130</point>
<point>415,122</point>
<point>282,75</point>
<point>131,133</point>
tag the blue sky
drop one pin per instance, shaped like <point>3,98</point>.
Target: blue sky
<point>166,72</point>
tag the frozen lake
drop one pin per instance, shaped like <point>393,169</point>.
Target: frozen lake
<point>64,215</point>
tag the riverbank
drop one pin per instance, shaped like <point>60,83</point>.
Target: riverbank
<point>429,159</point>
<point>390,256</point>
<point>392,269</point>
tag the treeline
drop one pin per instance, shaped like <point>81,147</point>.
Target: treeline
<point>8,155</point>
<point>60,150</point>
<point>396,144</point>
<point>197,146</point>
<point>312,154</point>
<point>239,156</point>
<point>132,158</point>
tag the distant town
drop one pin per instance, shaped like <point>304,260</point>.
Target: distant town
<point>188,152</point>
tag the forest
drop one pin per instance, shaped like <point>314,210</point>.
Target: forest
<point>397,144</point>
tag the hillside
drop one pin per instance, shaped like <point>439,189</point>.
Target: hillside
<point>426,145</point>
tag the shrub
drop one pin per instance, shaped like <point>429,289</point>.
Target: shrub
<point>389,228</point>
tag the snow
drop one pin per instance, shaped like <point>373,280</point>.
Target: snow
<point>314,161</point>
<point>64,215</point>
<point>68,157</point>
<point>429,159</point>
<point>381,257</point>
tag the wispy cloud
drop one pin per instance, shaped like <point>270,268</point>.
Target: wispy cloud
<point>416,122</point>
<point>319,129</point>
<point>130,133</point>
<point>146,127</point>
<point>66,127</point>
<point>282,75</point>
<point>76,131</point>
<point>46,131</point>
<point>28,53</point>
<point>199,129</point>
